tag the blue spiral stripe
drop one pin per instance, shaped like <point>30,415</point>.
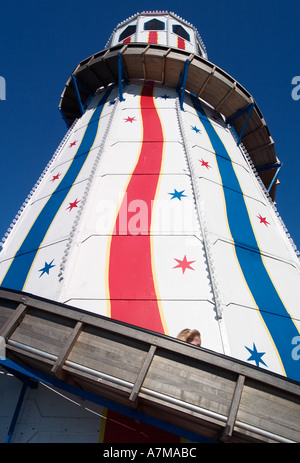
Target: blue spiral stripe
<point>278,321</point>
<point>20,266</point>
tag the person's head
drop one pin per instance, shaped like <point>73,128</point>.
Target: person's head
<point>190,336</point>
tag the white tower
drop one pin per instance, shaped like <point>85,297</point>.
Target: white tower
<point>157,209</point>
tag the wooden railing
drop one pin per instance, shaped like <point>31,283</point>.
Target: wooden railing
<point>207,393</point>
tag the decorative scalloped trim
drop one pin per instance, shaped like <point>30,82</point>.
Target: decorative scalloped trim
<point>201,217</point>
<point>265,191</point>
<point>85,194</point>
<point>37,184</point>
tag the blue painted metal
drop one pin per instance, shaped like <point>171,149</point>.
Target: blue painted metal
<point>77,94</point>
<point>55,382</point>
<point>26,382</point>
<point>121,76</point>
<point>235,133</point>
<point>269,167</point>
<point>64,118</point>
<point>274,178</point>
<point>16,413</point>
<point>249,255</point>
<point>21,264</point>
<point>248,108</point>
<point>83,85</point>
<point>182,82</point>
<point>239,113</point>
<point>246,122</point>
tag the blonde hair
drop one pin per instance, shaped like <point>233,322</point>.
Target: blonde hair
<point>188,335</point>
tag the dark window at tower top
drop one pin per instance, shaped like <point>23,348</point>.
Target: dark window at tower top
<point>179,30</point>
<point>154,25</point>
<point>127,32</point>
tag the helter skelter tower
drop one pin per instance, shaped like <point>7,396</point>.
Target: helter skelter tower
<point>155,214</point>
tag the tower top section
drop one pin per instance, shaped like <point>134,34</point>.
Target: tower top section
<point>159,27</point>
<point>162,47</point>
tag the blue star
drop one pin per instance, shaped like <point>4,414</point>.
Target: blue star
<point>256,356</point>
<point>111,103</point>
<point>46,268</point>
<point>177,194</point>
<point>165,97</point>
<point>196,129</point>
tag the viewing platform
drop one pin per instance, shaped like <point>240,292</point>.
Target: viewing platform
<point>145,374</point>
<point>186,72</point>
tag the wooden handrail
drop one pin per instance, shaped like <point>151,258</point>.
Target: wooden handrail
<point>151,372</point>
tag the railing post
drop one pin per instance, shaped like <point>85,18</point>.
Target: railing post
<point>227,431</point>
<point>142,374</point>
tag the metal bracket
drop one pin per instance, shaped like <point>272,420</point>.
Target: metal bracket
<point>274,178</point>
<point>268,167</point>
<point>249,109</point>
<point>277,166</point>
<point>121,76</point>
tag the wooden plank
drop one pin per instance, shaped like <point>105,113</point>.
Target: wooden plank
<point>67,348</point>
<point>43,332</point>
<point>98,386</point>
<point>7,308</point>
<point>72,314</point>
<point>109,356</point>
<point>194,384</point>
<point>232,89</point>
<point>233,408</point>
<point>206,82</point>
<point>13,321</point>
<point>270,410</point>
<point>142,374</point>
<point>5,314</point>
<point>171,414</point>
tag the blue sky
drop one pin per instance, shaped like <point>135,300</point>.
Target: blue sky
<point>256,42</point>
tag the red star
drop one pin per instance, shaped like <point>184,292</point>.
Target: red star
<point>55,177</point>
<point>204,164</point>
<point>74,204</point>
<point>263,220</point>
<point>73,144</point>
<point>184,264</point>
<point>130,119</point>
